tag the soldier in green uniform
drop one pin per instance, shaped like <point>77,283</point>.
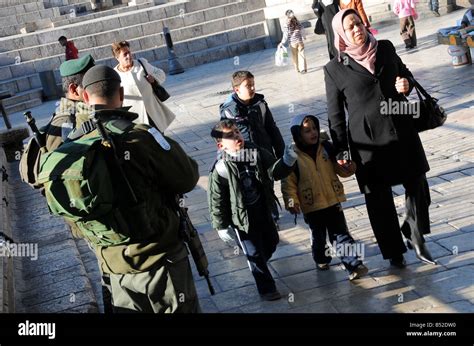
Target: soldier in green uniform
<point>71,111</point>
<point>152,274</point>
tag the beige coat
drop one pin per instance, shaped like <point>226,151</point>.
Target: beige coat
<point>139,95</point>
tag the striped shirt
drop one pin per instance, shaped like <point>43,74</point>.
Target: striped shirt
<point>295,35</point>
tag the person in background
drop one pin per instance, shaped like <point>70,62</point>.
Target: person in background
<point>434,7</point>
<point>358,6</point>
<point>71,50</point>
<point>406,11</point>
<point>293,31</point>
<point>138,90</point>
<point>327,9</point>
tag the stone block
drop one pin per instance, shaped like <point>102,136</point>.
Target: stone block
<point>27,67</point>
<point>152,28</point>
<point>47,14</point>
<point>256,45</point>
<point>82,43</point>
<point>23,84</point>
<point>49,64</point>
<point>7,11</point>
<point>193,6</point>
<point>235,9</point>
<point>107,38</point>
<point>253,17</point>
<point>150,42</point>
<point>236,35</point>
<point>175,10</point>
<point>157,13</point>
<point>214,13</point>
<point>174,23</point>
<point>51,50</point>
<point>110,24</point>
<point>187,33</point>
<point>31,7</point>
<point>35,82</point>
<point>30,54</point>
<point>255,31</point>
<point>188,62</point>
<point>194,18</point>
<point>148,55</point>
<point>136,18</point>
<point>217,40</point>
<point>103,52</point>
<point>5,73</point>
<point>214,27</point>
<point>132,32</point>
<point>181,48</point>
<point>238,49</point>
<point>233,22</point>
<point>160,53</point>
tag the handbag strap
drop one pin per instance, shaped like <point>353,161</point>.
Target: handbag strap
<point>419,89</point>
<point>144,69</point>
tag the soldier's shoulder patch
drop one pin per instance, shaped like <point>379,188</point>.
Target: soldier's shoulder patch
<point>159,138</point>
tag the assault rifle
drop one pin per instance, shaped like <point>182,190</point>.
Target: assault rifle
<point>191,238</point>
<point>39,137</point>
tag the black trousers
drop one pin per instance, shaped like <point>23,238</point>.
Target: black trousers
<point>259,244</point>
<point>331,221</point>
<point>384,220</point>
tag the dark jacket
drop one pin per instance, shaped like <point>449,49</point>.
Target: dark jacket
<point>255,127</point>
<point>386,148</point>
<point>327,13</point>
<point>226,204</point>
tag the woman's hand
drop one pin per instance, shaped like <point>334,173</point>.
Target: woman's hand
<point>402,85</point>
<point>295,209</point>
<point>150,78</point>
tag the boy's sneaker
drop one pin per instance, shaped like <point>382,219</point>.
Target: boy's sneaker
<point>275,295</point>
<point>436,13</point>
<point>358,272</point>
<point>322,266</point>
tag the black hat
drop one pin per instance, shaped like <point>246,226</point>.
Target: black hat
<point>99,73</point>
<point>297,123</point>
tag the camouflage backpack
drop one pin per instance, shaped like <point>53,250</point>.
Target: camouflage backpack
<point>79,186</point>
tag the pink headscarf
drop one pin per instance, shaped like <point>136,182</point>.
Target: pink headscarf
<point>363,54</point>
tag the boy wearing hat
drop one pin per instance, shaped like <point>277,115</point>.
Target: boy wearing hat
<point>314,189</point>
<point>240,194</point>
<point>71,110</point>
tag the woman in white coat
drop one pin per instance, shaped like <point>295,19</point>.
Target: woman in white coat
<point>138,92</point>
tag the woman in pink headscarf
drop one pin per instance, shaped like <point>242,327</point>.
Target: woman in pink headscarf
<point>368,80</point>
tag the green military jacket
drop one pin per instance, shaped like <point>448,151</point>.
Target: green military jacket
<point>62,115</point>
<point>226,205</point>
<point>158,169</point>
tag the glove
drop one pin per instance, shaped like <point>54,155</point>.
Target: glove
<point>290,156</point>
<point>228,236</point>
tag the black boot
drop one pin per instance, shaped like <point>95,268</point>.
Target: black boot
<point>421,252</point>
<point>398,261</point>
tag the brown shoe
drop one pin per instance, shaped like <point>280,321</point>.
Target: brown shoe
<point>358,272</point>
<point>322,266</point>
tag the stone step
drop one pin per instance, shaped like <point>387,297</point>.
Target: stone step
<point>21,9</point>
<point>19,84</point>
<point>174,12</point>
<point>24,96</point>
<point>140,37</point>
<point>106,13</point>
<point>29,17</point>
<point>18,107</point>
<point>9,3</point>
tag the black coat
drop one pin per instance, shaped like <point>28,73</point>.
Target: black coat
<point>327,13</point>
<point>386,148</point>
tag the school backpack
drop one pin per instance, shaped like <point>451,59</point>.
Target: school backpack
<point>79,186</point>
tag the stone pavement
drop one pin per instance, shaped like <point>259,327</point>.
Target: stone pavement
<point>196,95</point>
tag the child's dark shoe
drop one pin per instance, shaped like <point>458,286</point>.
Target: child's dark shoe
<point>322,266</point>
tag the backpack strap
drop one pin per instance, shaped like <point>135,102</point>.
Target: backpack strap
<point>222,169</point>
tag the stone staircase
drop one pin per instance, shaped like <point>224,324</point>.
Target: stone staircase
<point>202,31</point>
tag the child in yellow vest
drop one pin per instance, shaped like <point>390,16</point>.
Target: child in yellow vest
<point>315,190</point>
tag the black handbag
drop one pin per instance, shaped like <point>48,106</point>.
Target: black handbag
<point>158,90</point>
<point>319,27</point>
<point>431,115</point>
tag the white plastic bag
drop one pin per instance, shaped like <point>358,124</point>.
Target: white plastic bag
<point>281,56</point>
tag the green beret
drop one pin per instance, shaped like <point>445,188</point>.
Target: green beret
<point>99,73</point>
<point>75,66</point>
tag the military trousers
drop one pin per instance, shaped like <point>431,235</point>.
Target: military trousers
<point>166,289</point>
